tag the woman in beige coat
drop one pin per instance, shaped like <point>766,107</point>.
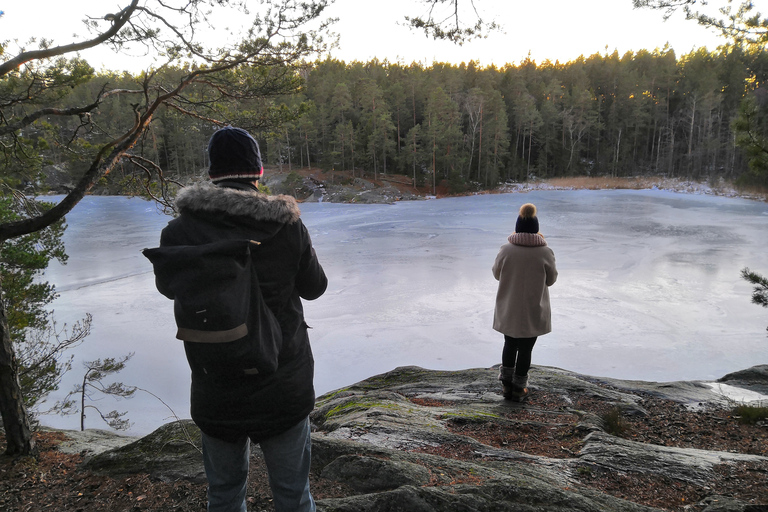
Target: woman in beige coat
<point>525,269</point>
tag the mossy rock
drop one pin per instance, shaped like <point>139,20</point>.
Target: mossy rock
<point>172,452</point>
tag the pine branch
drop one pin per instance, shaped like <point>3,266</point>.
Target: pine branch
<point>118,22</point>
<point>760,291</point>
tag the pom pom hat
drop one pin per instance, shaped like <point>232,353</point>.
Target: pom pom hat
<point>527,222</point>
<point>234,154</point>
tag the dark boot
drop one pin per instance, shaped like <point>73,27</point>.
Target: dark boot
<point>519,388</point>
<point>506,376</point>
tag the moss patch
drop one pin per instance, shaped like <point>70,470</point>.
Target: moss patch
<point>360,404</point>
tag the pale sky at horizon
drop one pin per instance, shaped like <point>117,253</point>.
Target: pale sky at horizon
<point>550,29</point>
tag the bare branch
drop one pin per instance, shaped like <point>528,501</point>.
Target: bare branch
<point>450,26</point>
<point>195,114</point>
<point>148,166</point>
<point>65,340</point>
<point>119,20</point>
<point>31,118</point>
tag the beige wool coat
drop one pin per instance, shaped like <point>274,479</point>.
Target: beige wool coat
<point>525,269</point>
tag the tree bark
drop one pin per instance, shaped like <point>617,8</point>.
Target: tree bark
<point>18,433</point>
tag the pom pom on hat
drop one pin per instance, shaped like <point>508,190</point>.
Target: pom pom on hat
<point>527,222</point>
<point>234,154</point>
<point>528,211</point>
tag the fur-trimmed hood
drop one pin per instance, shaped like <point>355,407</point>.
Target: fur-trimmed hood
<point>207,197</point>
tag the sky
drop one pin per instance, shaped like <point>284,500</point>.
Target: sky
<point>548,29</point>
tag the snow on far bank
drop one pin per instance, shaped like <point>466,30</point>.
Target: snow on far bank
<point>669,184</point>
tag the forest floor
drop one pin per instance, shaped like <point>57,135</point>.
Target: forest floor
<point>56,480</point>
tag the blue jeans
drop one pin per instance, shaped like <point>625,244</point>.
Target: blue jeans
<point>287,457</point>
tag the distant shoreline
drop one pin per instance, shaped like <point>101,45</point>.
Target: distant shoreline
<point>344,187</point>
<point>680,185</point>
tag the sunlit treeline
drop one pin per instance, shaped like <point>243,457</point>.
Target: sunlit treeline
<point>642,113</point>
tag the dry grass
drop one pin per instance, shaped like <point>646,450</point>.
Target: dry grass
<point>722,188</point>
<point>603,182</point>
<point>754,191</point>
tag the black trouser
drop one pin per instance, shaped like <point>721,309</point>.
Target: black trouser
<point>517,354</point>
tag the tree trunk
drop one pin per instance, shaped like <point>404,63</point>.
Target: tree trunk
<point>471,155</point>
<point>530,146</point>
<point>616,160</point>
<point>18,434</point>
<point>352,145</point>
<point>658,153</point>
<point>414,158</point>
<point>288,149</point>
<point>671,164</point>
<point>399,141</point>
<point>496,146</point>
<point>434,169</point>
<point>384,157</point>
<point>653,147</point>
<point>690,131</point>
<point>480,149</point>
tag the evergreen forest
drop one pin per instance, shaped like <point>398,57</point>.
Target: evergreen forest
<point>469,127</point>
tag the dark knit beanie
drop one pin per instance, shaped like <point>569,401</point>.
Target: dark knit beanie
<point>234,154</point>
<point>527,222</point>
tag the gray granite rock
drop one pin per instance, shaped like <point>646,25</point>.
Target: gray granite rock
<point>375,437</point>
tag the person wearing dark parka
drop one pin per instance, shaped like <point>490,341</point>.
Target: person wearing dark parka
<point>525,269</point>
<point>234,409</point>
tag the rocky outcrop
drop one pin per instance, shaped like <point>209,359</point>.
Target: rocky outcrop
<point>399,441</point>
<point>315,187</point>
<point>172,452</point>
<point>754,379</point>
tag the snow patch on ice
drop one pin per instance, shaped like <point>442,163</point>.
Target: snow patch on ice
<point>737,394</point>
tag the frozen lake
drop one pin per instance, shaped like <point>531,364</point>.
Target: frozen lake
<point>649,288</point>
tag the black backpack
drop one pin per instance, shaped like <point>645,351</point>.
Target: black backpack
<point>217,303</point>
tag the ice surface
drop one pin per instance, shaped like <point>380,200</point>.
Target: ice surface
<point>649,289</point>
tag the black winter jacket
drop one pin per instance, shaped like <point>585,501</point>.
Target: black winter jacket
<point>230,406</point>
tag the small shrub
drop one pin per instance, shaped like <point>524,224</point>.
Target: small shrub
<point>613,422</point>
<point>264,189</point>
<point>750,414</point>
<point>293,180</point>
